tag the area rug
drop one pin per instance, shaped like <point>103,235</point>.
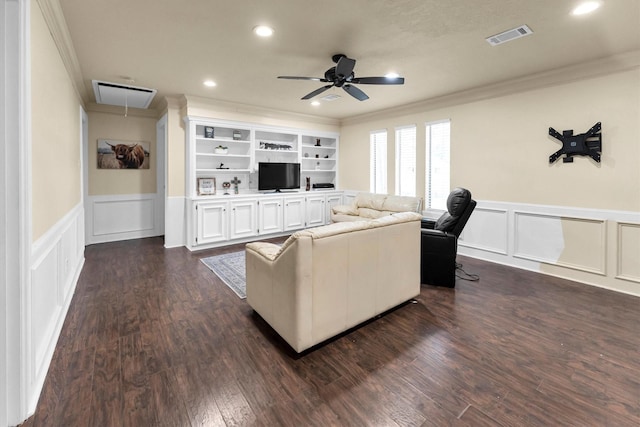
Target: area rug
<point>231,269</point>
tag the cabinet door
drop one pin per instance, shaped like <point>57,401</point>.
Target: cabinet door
<point>270,216</point>
<point>293,213</point>
<point>212,222</point>
<point>315,211</point>
<point>332,200</point>
<point>243,219</point>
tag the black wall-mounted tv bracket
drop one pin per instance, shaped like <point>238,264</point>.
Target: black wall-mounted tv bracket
<point>585,144</point>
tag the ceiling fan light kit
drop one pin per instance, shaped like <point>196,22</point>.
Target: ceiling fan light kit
<point>342,76</point>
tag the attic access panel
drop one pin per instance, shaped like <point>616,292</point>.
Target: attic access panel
<point>122,95</point>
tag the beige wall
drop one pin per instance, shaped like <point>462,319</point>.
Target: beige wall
<point>55,132</point>
<point>176,160</point>
<point>132,129</point>
<point>500,146</point>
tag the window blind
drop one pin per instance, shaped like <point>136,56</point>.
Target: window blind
<point>437,164</point>
<point>378,161</point>
<point>406,161</point>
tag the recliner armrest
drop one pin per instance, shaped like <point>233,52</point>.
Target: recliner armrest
<point>429,224</point>
<point>438,241</point>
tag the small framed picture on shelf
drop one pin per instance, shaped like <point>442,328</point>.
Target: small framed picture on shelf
<point>209,132</point>
<point>206,186</point>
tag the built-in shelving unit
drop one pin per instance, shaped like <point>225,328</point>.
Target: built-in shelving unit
<point>319,158</point>
<point>225,150</point>
<point>220,149</point>
<point>275,146</point>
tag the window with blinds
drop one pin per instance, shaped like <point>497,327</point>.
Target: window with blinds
<point>437,165</point>
<point>378,161</point>
<point>406,161</point>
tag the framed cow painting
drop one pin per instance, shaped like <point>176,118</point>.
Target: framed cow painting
<point>114,154</point>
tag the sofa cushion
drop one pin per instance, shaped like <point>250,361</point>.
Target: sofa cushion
<point>402,204</point>
<point>372,213</point>
<point>346,218</point>
<point>345,210</point>
<point>370,201</point>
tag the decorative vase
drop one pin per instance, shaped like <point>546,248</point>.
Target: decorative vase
<point>308,186</point>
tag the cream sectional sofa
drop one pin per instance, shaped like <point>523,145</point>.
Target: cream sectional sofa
<point>371,206</point>
<point>323,281</point>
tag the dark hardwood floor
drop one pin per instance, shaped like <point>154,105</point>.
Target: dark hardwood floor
<point>153,337</point>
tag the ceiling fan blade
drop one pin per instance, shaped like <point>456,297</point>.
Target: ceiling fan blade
<point>317,79</point>
<point>317,92</point>
<point>344,67</point>
<point>355,92</point>
<point>378,80</point>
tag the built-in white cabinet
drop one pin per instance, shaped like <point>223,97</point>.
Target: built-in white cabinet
<point>270,215</point>
<point>294,213</point>
<point>211,222</point>
<point>243,218</point>
<point>315,211</point>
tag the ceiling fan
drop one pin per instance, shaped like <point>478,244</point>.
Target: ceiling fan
<point>342,76</point>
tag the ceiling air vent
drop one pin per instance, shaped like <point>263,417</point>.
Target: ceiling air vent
<point>122,95</point>
<point>330,97</point>
<point>509,35</point>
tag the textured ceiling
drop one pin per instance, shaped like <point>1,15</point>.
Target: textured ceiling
<point>438,46</point>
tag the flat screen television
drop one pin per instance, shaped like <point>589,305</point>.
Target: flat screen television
<point>278,176</point>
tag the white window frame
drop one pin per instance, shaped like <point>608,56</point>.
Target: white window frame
<point>378,161</point>
<point>406,160</point>
<point>437,165</point>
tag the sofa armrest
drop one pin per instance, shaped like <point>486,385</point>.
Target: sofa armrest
<point>266,250</point>
<point>344,210</point>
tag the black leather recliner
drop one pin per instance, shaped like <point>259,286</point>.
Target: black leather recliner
<point>439,240</point>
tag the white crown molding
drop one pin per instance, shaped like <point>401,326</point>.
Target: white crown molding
<point>596,68</point>
<point>233,107</point>
<point>53,16</point>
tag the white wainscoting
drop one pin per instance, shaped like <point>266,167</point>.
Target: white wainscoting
<point>628,238</point>
<point>579,244</point>
<point>487,231</point>
<point>56,261</point>
<point>122,217</point>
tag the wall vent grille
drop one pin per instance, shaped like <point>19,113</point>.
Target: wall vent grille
<point>509,35</point>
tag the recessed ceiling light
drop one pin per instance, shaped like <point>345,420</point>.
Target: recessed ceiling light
<point>263,31</point>
<point>209,83</point>
<point>586,7</point>
<point>315,103</point>
<point>392,75</point>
